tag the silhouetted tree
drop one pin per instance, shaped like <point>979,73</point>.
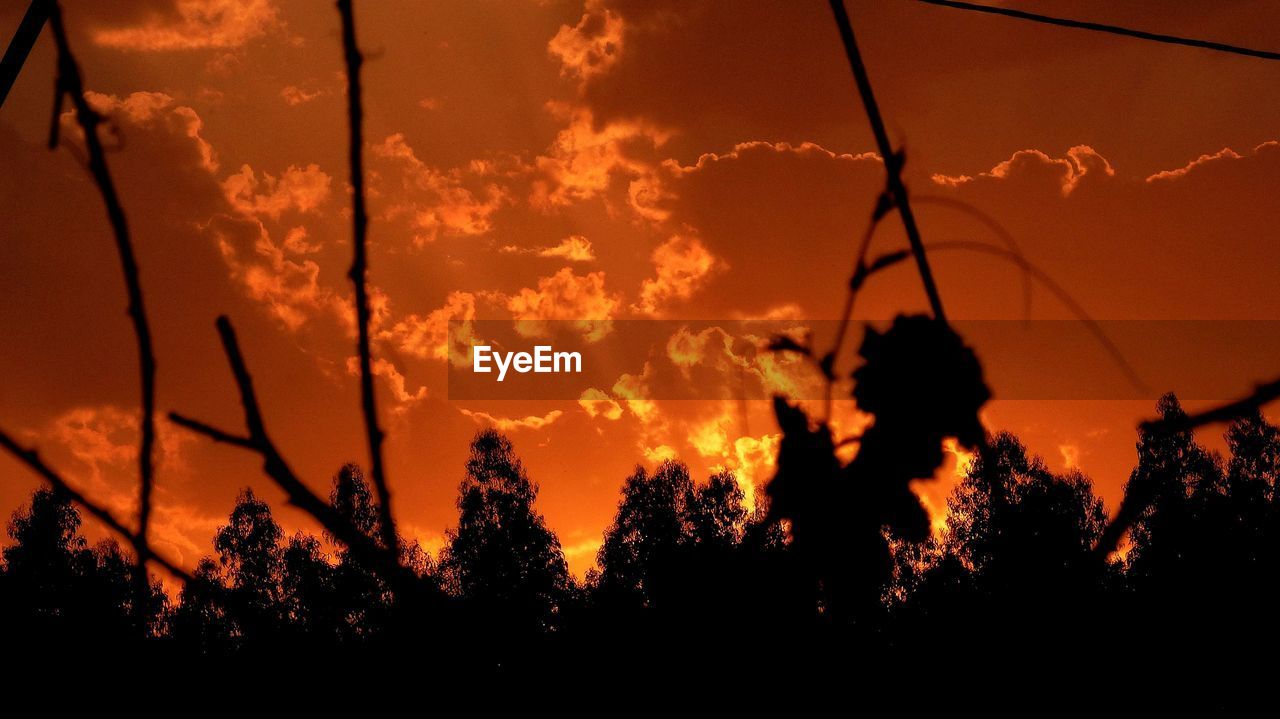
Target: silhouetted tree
<point>656,517</point>
<point>56,591</point>
<point>201,622</point>
<point>502,558</point>
<point>1253,478</point>
<point>307,590</point>
<point>249,551</point>
<point>718,511</point>
<point>361,597</point>
<point>1041,523</point>
<point>1170,538</point>
<point>672,561</point>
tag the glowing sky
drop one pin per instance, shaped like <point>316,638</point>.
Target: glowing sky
<point>618,160</point>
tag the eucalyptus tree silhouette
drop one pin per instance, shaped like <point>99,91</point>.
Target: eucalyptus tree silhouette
<point>252,561</point>
<point>501,558</point>
<point>58,594</point>
<point>1015,572</point>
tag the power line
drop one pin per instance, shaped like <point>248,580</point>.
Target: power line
<point>1100,27</point>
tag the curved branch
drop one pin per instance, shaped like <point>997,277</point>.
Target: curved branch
<point>70,84</point>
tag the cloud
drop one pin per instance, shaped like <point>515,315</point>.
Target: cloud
<point>711,438</point>
<point>394,379</point>
<point>682,264</point>
<point>299,189</point>
<point>1070,455</point>
<point>441,204</point>
<point>659,454</point>
<point>104,439</point>
<point>584,161</point>
<point>153,111</point>
<point>1065,172</point>
<point>1204,162</point>
<point>586,548</point>
<point>100,438</point>
<point>598,404</point>
<point>574,248</point>
<point>428,337</point>
<point>103,442</point>
<point>591,47</point>
<point>506,424</point>
<point>295,241</point>
<point>294,95</point>
<point>748,207</point>
<point>289,286</point>
<point>565,296</point>
<point>196,25</point>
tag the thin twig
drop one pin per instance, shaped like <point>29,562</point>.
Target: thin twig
<point>888,260</point>
<point>995,227</point>
<point>71,85</point>
<point>359,271</point>
<point>31,458</point>
<point>892,159</point>
<point>1100,27</point>
<point>381,559</point>
<point>828,362</point>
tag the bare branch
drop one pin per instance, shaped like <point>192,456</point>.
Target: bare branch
<point>31,458</point>
<point>1139,494</point>
<point>211,432</point>
<point>71,85</point>
<point>1262,395</point>
<point>381,559</point>
<point>360,270</point>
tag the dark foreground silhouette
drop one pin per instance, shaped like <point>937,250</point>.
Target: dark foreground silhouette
<point>692,588</point>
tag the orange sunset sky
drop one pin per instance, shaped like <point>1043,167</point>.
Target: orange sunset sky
<point>614,160</point>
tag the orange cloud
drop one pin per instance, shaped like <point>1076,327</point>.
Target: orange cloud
<point>294,95</point>
<point>1225,153</point>
<point>565,296</point>
<point>152,111</point>
<point>598,404</point>
<point>682,264</point>
<point>440,204</point>
<point>428,337</point>
<point>196,25</point>
<point>394,379</point>
<point>584,161</point>
<point>591,47</point>
<point>289,287</point>
<point>506,424</point>
<point>574,248</point>
<point>298,189</point>
<point>1065,172</point>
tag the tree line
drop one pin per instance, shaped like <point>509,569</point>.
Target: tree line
<point>684,563</point>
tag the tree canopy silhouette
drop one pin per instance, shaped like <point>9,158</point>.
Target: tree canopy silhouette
<point>501,557</point>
